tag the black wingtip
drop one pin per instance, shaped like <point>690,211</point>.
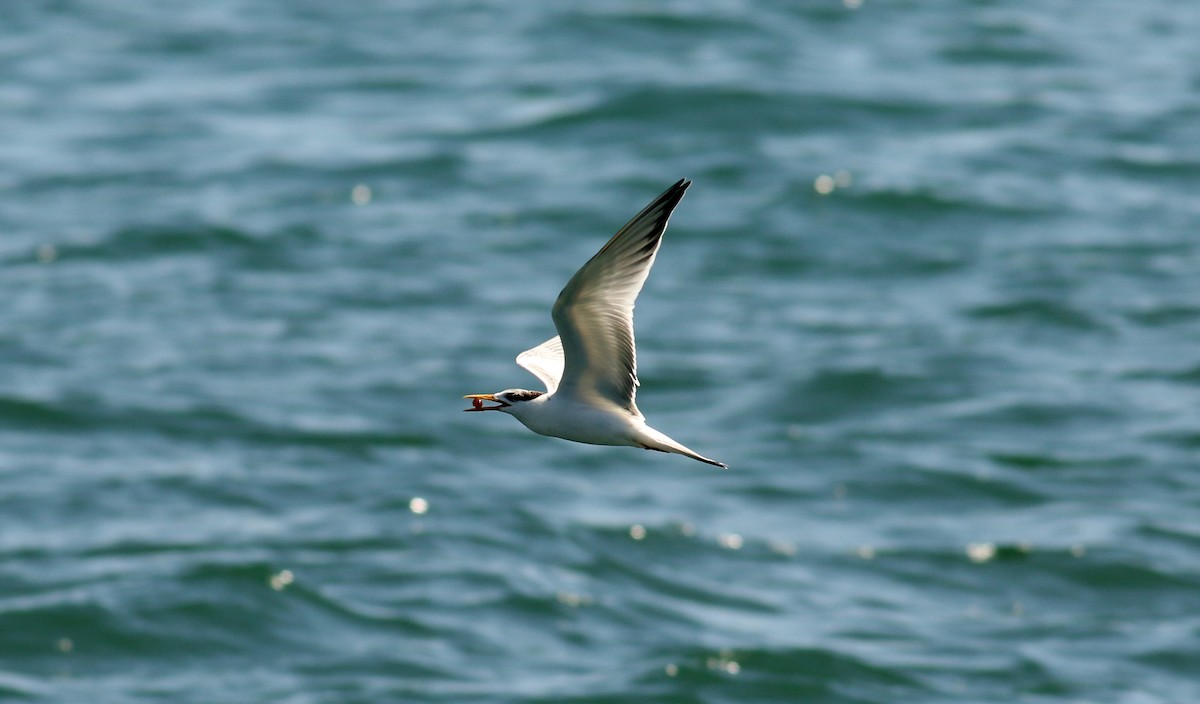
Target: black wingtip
<point>671,196</point>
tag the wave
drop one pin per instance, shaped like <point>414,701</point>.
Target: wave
<point>155,241</point>
<point>1042,312</point>
<point>737,674</point>
<point>195,423</point>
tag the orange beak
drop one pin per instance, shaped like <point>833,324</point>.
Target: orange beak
<point>478,403</point>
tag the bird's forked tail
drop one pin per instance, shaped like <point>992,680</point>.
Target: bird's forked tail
<point>651,439</point>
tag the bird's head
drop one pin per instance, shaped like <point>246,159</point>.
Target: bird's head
<point>508,400</point>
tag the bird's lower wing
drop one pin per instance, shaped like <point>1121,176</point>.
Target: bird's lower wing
<point>545,362</point>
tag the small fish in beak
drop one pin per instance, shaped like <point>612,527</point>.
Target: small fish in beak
<point>478,399</point>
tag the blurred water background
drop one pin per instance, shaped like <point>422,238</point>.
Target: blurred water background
<point>935,297</point>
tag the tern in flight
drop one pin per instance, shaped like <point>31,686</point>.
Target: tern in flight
<point>590,367</point>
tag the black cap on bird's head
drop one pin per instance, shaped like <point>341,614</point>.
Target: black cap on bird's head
<point>506,399</point>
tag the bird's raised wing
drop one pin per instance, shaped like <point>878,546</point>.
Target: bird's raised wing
<point>545,362</point>
<point>594,312</point>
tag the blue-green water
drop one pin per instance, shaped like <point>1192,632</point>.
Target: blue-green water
<point>935,297</point>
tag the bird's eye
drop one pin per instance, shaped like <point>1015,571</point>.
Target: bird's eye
<point>523,395</point>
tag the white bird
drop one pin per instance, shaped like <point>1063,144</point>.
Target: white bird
<point>590,367</point>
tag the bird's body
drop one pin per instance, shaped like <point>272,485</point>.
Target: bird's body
<point>565,417</point>
<point>590,367</point>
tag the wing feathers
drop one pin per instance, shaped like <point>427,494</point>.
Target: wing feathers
<point>594,312</point>
<point>545,362</point>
